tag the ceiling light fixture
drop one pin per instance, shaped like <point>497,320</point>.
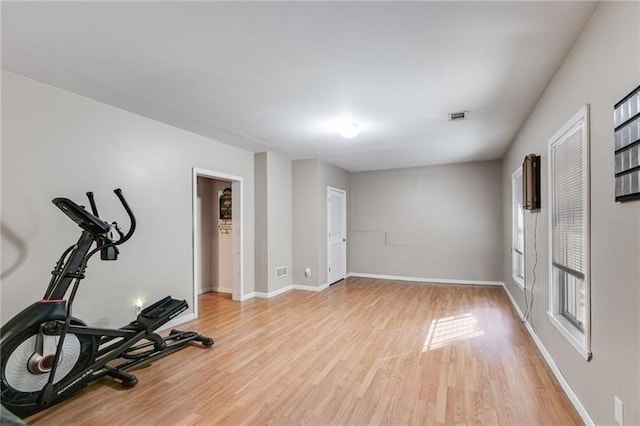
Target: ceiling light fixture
<point>349,129</point>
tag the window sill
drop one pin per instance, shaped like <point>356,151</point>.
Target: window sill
<point>519,282</point>
<point>571,333</point>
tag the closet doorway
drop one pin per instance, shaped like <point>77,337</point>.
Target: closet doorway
<point>217,226</point>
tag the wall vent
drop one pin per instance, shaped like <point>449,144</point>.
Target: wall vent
<point>456,116</point>
<point>282,271</point>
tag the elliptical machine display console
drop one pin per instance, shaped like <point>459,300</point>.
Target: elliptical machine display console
<point>46,354</point>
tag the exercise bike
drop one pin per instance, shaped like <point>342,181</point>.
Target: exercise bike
<point>46,354</point>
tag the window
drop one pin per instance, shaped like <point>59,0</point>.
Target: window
<point>569,231</point>
<point>517,228</point>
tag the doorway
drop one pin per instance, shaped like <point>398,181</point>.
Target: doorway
<point>336,234</point>
<point>217,230</point>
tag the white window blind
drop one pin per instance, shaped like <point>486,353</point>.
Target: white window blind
<point>569,209</point>
<point>569,222</point>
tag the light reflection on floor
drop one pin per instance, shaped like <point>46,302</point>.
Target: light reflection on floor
<point>446,330</point>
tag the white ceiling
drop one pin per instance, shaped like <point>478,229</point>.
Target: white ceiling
<point>270,76</point>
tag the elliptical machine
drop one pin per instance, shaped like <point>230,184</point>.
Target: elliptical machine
<point>46,354</point>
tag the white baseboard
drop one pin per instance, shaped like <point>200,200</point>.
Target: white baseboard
<point>422,279</point>
<point>274,293</point>
<point>263,295</point>
<point>216,289</point>
<point>515,305</point>
<point>247,296</point>
<point>553,366</point>
<point>177,321</point>
<point>280,291</point>
<point>310,287</point>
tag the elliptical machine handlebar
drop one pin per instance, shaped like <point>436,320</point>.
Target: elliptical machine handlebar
<point>132,217</point>
<point>127,208</point>
<point>92,222</point>
<point>92,203</point>
<point>73,261</point>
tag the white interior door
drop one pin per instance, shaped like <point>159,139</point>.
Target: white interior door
<point>336,234</point>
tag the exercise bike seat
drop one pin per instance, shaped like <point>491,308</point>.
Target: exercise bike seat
<point>82,217</point>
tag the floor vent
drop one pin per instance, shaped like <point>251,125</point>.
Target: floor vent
<point>282,271</point>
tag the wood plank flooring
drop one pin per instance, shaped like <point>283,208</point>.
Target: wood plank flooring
<point>363,351</point>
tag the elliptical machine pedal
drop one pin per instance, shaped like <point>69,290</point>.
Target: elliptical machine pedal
<point>207,342</point>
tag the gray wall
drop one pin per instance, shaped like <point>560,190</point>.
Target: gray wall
<point>603,66</point>
<point>262,225</point>
<point>273,221</point>
<point>439,222</point>
<point>280,211</point>
<point>310,181</point>
<point>56,143</point>
<point>306,217</point>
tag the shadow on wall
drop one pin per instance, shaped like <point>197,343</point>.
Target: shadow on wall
<point>21,249</point>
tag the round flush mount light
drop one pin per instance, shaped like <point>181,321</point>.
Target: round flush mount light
<point>348,129</point>
<point>344,126</point>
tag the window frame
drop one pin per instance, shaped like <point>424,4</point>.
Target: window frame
<point>578,337</point>
<point>520,281</point>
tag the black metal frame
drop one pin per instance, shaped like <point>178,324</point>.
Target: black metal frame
<point>630,145</point>
<point>120,343</point>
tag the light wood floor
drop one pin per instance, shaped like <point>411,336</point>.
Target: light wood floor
<point>362,352</point>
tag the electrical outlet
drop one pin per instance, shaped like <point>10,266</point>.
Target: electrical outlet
<point>618,410</point>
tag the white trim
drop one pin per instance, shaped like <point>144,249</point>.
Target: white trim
<point>579,340</point>
<point>513,302</point>
<point>571,333</point>
<point>422,279</point>
<point>216,289</point>
<point>518,173</point>
<point>238,224</point>
<point>518,282</point>
<point>343,247</point>
<point>310,287</point>
<point>263,295</point>
<point>278,292</point>
<point>177,321</point>
<point>248,296</point>
<point>554,368</point>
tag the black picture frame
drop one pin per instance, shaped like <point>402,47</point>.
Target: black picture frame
<point>626,122</point>
<point>225,204</point>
